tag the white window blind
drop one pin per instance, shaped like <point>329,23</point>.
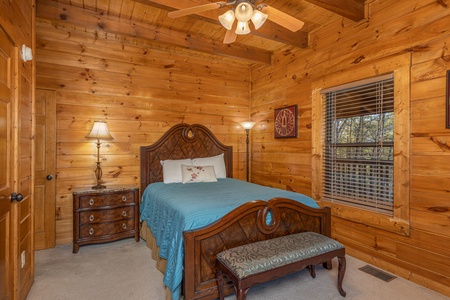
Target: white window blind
<point>359,144</point>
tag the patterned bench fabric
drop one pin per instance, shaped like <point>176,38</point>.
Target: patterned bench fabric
<point>260,256</point>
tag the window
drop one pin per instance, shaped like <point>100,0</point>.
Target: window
<point>390,210</point>
<point>358,164</point>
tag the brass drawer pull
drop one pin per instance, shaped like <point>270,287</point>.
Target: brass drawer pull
<point>91,218</point>
<point>124,213</point>
<point>124,226</point>
<point>124,198</point>
<point>91,202</point>
<point>91,231</point>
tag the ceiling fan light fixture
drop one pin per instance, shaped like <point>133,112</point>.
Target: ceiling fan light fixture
<point>242,28</point>
<point>258,18</point>
<point>227,19</point>
<point>244,12</point>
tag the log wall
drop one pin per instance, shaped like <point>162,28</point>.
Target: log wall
<point>394,28</point>
<point>141,89</point>
<point>138,88</point>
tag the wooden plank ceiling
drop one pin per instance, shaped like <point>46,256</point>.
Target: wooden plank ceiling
<point>204,33</point>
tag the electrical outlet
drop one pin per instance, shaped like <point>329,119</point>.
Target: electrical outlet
<point>22,259</point>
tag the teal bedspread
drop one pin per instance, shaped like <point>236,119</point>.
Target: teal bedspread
<point>170,209</point>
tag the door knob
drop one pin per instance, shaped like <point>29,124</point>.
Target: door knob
<point>49,177</point>
<point>16,197</point>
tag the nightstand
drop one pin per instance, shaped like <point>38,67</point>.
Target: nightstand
<point>105,215</point>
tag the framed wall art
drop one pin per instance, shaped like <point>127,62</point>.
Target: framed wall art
<point>285,122</point>
<point>447,102</point>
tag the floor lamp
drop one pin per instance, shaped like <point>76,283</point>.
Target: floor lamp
<point>99,132</point>
<point>247,126</point>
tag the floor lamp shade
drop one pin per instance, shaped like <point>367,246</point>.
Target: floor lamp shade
<point>247,126</point>
<point>99,132</point>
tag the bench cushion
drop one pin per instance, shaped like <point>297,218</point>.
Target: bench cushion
<point>260,256</point>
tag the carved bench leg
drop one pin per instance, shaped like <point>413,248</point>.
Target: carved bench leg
<point>241,294</point>
<point>341,273</point>
<point>219,275</point>
<point>312,270</point>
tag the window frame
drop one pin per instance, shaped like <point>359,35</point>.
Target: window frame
<point>348,191</point>
<point>400,66</point>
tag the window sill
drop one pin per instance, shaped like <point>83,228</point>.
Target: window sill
<point>377,220</point>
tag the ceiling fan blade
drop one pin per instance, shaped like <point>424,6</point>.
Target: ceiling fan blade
<point>282,18</point>
<point>195,9</point>
<point>230,36</point>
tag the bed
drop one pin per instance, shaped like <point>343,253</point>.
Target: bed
<point>238,220</point>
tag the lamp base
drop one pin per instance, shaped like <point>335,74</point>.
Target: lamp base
<point>99,186</point>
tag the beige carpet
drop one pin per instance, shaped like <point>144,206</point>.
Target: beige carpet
<point>125,270</point>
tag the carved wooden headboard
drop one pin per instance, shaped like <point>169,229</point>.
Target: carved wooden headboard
<point>181,141</point>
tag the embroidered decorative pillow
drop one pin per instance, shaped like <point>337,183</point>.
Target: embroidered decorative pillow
<point>172,169</point>
<point>217,161</point>
<point>191,174</point>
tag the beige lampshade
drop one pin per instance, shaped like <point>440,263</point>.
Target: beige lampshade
<point>100,131</point>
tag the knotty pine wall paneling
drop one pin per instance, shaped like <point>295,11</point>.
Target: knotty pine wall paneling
<point>139,89</point>
<point>393,28</point>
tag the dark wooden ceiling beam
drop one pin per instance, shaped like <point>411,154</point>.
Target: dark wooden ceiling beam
<point>351,9</point>
<point>64,13</point>
<point>269,30</point>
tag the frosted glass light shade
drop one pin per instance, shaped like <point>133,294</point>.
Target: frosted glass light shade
<point>244,12</point>
<point>227,19</point>
<point>248,125</point>
<point>242,28</point>
<point>99,132</point>
<point>258,18</point>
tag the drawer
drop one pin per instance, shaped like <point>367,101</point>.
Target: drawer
<point>116,214</point>
<point>108,228</point>
<point>89,201</point>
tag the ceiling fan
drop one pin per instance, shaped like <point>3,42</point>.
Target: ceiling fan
<point>243,11</point>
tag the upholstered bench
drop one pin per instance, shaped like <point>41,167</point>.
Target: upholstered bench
<point>262,261</point>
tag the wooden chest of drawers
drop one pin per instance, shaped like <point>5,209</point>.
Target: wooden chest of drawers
<point>105,215</point>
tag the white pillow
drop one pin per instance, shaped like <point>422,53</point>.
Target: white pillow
<point>172,169</point>
<point>191,174</point>
<point>217,161</point>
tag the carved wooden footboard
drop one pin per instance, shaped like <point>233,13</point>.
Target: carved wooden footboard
<point>243,225</point>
